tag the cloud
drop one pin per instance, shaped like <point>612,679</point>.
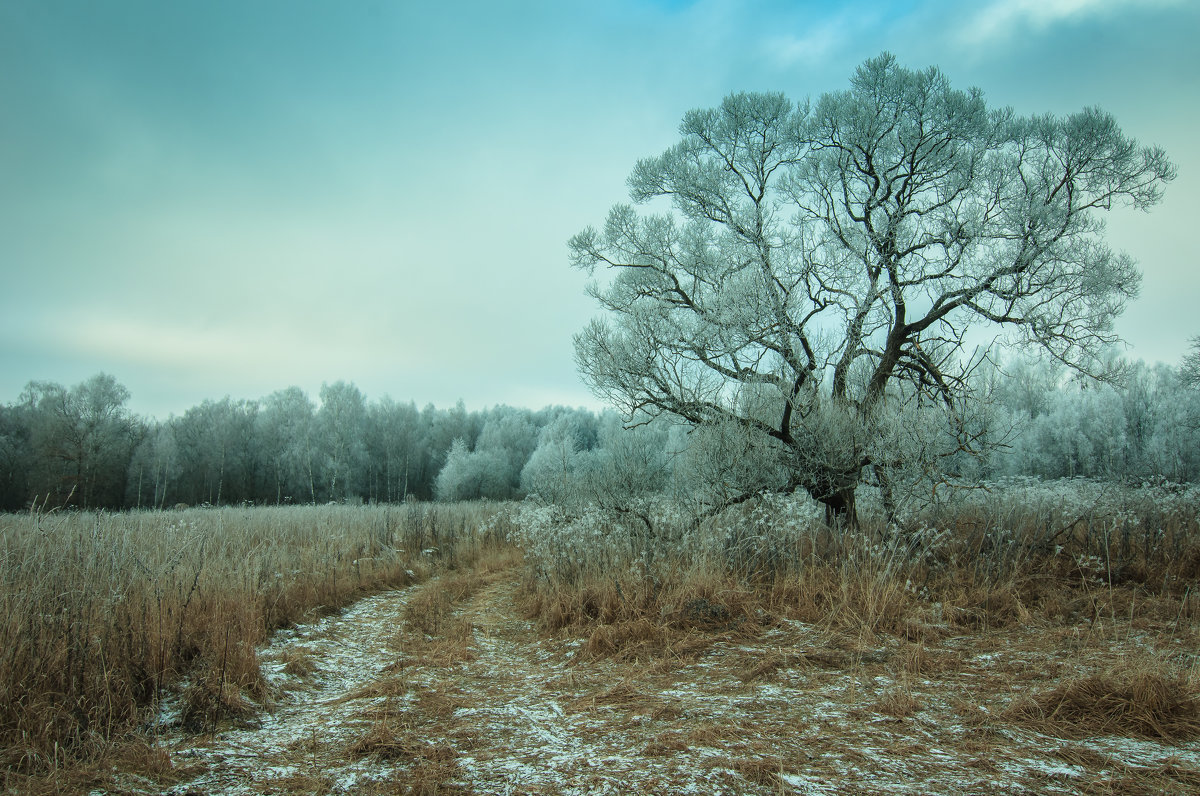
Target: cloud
<point>268,348</point>
<point>1003,19</point>
<point>815,45</point>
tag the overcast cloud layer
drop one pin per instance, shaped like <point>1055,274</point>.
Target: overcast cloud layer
<point>212,198</point>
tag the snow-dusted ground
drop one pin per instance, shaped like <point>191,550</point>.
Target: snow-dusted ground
<point>498,708</point>
<point>310,714</point>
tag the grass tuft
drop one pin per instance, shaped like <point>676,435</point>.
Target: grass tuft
<point>1139,700</point>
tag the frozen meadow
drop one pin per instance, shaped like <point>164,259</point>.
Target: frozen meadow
<point>1035,637</point>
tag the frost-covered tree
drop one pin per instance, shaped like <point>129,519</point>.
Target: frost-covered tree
<point>581,424</point>
<point>623,465</point>
<point>469,475</point>
<point>629,463</point>
<point>1028,387</point>
<point>555,467</point>
<point>217,451</point>
<point>341,423</point>
<point>510,434</point>
<point>15,456</point>
<point>285,431</point>
<point>825,262</point>
<point>441,428</point>
<point>1189,369</point>
<point>154,467</point>
<point>1165,410</point>
<point>493,469</point>
<point>393,448</point>
<point>1083,433</point>
<point>82,439</point>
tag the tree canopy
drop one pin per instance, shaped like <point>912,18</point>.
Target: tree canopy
<point>821,264</point>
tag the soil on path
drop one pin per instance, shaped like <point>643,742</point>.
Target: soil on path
<point>446,688</point>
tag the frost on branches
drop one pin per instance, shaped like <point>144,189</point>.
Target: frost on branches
<point>820,266</point>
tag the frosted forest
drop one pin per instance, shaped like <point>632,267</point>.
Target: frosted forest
<point>79,446</point>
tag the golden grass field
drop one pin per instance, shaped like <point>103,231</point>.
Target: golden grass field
<point>103,614</point>
<point>439,649</point>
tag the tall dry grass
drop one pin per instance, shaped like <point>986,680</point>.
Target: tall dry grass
<point>976,558</point>
<point>101,614</point>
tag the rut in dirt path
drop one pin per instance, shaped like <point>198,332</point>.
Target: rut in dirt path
<point>311,670</point>
<point>527,710</point>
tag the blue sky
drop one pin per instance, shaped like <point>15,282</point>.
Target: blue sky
<point>228,198</point>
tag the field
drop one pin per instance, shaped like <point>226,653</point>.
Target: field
<point>1019,638</point>
<point>105,614</point>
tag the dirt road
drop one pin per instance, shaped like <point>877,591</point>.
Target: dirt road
<point>446,688</point>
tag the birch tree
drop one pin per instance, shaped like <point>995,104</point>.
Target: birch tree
<point>154,467</point>
<point>215,441</point>
<point>341,422</point>
<point>393,447</point>
<point>1189,369</point>
<point>284,431</point>
<point>815,268</point>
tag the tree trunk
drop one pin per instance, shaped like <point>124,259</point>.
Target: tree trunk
<point>389,494</point>
<point>220,477</point>
<point>888,495</point>
<point>840,510</point>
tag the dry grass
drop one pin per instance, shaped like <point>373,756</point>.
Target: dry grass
<point>433,630</point>
<point>637,620</point>
<point>299,662</point>
<point>626,697</point>
<point>768,712</point>
<point>101,614</point>
<point>667,744</point>
<point>384,687</point>
<point>386,741</point>
<point>765,666</point>
<point>433,635</point>
<point>423,767</point>
<point>910,628</point>
<point>1144,699</point>
<point>898,641</point>
<point>975,565</point>
<point>432,605</point>
<point>760,770</point>
<point>898,702</point>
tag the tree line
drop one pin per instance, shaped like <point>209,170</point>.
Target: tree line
<point>1057,424</point>
<point>81,446</point>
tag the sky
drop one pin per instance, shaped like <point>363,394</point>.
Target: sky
<point>230,197</point>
